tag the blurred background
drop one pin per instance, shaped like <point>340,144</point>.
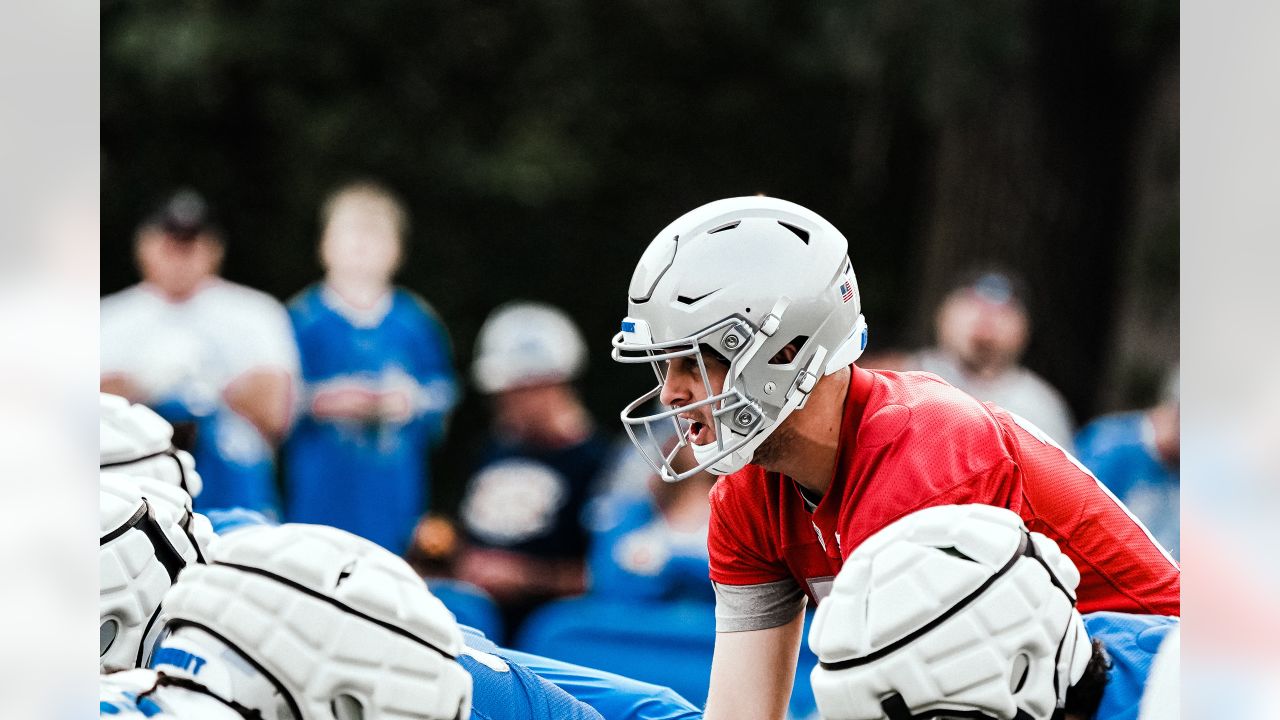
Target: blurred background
<point>537,147</point>
<point>540,145</point>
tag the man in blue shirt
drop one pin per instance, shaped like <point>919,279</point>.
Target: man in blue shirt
<point>653,546</point>
<point>1135,454</point>
<point>378,379</point>
<point>213,357</point>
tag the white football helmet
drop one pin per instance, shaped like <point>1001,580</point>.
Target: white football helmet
<point>523,343</point>
<point>302,622</point>
<point>745,277</point>
<point>134,439</point>
<point>952,611</point>
<point>145,540</point>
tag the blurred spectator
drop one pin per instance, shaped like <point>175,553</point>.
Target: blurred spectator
<point>521,510</point>
<point>209,355</point>
<point>653,546</point>
<point>982,330</point>
<point>378,379</point>
<point>1136,455</point>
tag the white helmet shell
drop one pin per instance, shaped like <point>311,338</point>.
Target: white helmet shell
<point>746,277</point>
<point>954,608</point>
<point>330,619</point>
<point>144,542</point>
<point>527,343</point>
<point>134,439</point>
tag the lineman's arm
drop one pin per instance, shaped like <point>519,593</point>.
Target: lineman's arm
<point>752,670</point>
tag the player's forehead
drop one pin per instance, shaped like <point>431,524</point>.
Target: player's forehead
<point>710,359</point>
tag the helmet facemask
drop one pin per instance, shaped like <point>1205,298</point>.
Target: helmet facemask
<point>730,406</point>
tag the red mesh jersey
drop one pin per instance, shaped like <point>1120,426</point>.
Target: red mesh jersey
<point>910,441</point>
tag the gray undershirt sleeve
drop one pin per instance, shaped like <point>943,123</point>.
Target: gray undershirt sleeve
<point>757,607</point>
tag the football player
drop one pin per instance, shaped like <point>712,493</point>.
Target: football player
<point>136,439</point>
<point>302,622</point>
<point>749,311</point>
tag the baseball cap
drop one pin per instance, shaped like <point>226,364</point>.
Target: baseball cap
<point>184,216</point>
<point>995,285</point>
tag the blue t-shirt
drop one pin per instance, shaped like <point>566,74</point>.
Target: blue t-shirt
<point>369,478</point>
<point>1131,642</point>
<point>1118,449</point>
<point>635,555</point>
<point>615,697</point>
<point>244,480</point>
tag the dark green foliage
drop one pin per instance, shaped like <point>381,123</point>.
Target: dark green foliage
<point>540,144</point>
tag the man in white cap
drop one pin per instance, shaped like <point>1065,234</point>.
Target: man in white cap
<point>522,508</point>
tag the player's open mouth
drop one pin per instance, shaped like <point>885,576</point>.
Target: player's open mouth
<point>698,433</point>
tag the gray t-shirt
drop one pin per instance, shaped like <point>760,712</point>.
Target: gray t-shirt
<point>1018,390</point>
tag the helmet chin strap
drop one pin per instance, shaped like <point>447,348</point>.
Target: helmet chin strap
<point>738,458</point>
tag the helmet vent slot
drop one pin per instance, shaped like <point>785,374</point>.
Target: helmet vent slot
<point>107,633</point>
<point>800,232</point>
<point>1021,669</point>
<point>346,707</point>
<point>345,573</point>
<point>953,552</point>
<point>686,300</point>
<point>782,357</point>
<point>726,226</point>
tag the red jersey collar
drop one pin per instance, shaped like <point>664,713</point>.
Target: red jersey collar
<point>855,404</point>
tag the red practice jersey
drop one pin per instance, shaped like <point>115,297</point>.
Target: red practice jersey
<point>910,441</point>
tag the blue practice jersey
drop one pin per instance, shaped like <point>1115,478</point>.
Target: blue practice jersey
<point>1119,450</point>
<point>369,478</point>
<point>615,697</point>
<point>636,556</point>
<point>1131,642</point>
<point>230,479</point>
<point>502,690</point>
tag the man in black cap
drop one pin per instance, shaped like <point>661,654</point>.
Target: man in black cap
<point>204,351</point>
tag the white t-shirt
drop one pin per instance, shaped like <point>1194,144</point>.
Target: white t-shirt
<point>189,351</point>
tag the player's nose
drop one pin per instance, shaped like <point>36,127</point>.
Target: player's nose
<point>674,391</point>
